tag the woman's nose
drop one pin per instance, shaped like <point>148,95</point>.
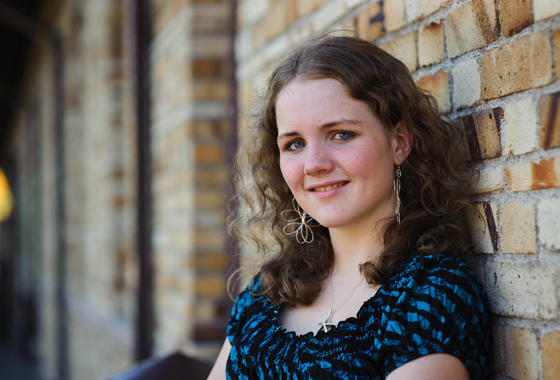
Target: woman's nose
<point>317,160</point>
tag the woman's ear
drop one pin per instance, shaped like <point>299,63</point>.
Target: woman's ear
<point>403,139</point>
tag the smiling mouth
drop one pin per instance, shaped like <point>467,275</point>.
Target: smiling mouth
<point>330,187</point>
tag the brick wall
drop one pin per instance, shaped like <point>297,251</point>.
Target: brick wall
<point>192,138</point>
<point>494,66</point>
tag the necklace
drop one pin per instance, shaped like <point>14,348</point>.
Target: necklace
<point>326,325</point>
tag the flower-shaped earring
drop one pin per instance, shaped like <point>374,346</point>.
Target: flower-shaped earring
<point>300,224</point>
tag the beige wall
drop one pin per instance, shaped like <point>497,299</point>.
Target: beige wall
<point>494,67</point>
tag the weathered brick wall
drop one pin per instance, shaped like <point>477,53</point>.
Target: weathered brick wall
<point>494,66</point>
<point>191,74</point>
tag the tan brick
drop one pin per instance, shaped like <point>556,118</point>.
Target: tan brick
<point>545,9</point>
<point>526,176</point>
<point>466,83</point>
<point>208,153</point>
<point>521,290</point>
<point>550,356</point>
<point>557,50</point>
<point>210,128</point>
<point>483,228</point>
<point>515,15</point>
<point>517,66</point>
<point>490,180</point>
<point>417,9</point>
<point>209,239</point>
<point>471,27</point>
<point>394,14</point>
<point>275,21</point>
<point>521,352</point>
<point>483,134</point>
<point>548,219</point>
<point>438,85</point>
<point>210,199</point>
<point>305,7</point>
<point>520,128</point>
<point>212,90</point>
<point>549,118</point>
<point>210,177</point>
<point>497,348</point>
<point>209,287</point>
<point>431,44</point>
<point>404,48</point>
<point>210,262</point>
<point>368,24</point>
<point>519,230</point>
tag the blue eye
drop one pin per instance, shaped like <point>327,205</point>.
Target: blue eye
<point>342,135</point>
<point>294,145</point>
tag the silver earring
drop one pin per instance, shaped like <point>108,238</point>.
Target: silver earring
<point>302,221</point>
<point>397,188</point>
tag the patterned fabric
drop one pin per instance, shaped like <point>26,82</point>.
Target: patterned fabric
<point>431,304</point>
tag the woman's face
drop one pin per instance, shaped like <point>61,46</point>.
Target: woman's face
<point>335,156</point>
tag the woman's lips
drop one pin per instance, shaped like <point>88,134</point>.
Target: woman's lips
<point>329,187</point>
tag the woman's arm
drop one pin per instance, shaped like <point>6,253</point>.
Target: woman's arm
<point>431,367</point>
<point>219,369</point>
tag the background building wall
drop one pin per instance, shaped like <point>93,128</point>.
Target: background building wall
<point>494,67</point>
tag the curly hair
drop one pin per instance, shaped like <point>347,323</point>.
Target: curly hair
<point>436,183</point>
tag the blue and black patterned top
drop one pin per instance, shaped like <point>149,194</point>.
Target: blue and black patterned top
<point>431,304</point>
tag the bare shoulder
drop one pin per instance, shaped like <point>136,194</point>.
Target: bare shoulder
<point>432,367</point>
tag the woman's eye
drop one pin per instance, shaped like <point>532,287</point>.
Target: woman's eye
<point>342,135</point>
<point>294,145</point>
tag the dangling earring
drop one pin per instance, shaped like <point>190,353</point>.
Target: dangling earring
<point>303,232</point>
<point>397,188</point>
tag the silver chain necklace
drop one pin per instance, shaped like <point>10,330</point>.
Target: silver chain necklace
<point>326,325</point>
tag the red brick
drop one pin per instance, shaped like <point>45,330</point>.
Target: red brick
<point>438,85</point>
<point>549,117</point>
<point>544,174</point>
<point>515,15</point>
<point>483,134</point>
<point>517,66</point>
<point>431,43</point>
<point>550,354</point>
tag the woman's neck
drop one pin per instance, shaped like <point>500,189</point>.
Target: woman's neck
<point>353,247</point>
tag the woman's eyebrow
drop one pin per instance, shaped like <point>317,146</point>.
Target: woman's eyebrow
<point>328,125</point>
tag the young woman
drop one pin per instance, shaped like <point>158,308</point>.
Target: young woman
<point>353,193</point>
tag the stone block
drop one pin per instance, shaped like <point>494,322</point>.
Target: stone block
<point>404,48</point>
<point>520,127</point>
<point>394,14</point>
<point>550,356</point>
<point>521,353</point>
<point>549,118</point>
<point>521,290</point>
<point>517,66</point>
<point>544,9</point>
<point>497,349</point>
<point>418,9</point>
<point>368,24</point>
<point>470,27</point>
<point>491,179</point>
<point>526,176</point>
<point>438,85</point>
<point>466,83</point>
<point>549,220</point>
<point>515,15</point>
<point>431,43</point>
<point>519,230</point>
<point>483,134</point>
<point>483,229</point>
